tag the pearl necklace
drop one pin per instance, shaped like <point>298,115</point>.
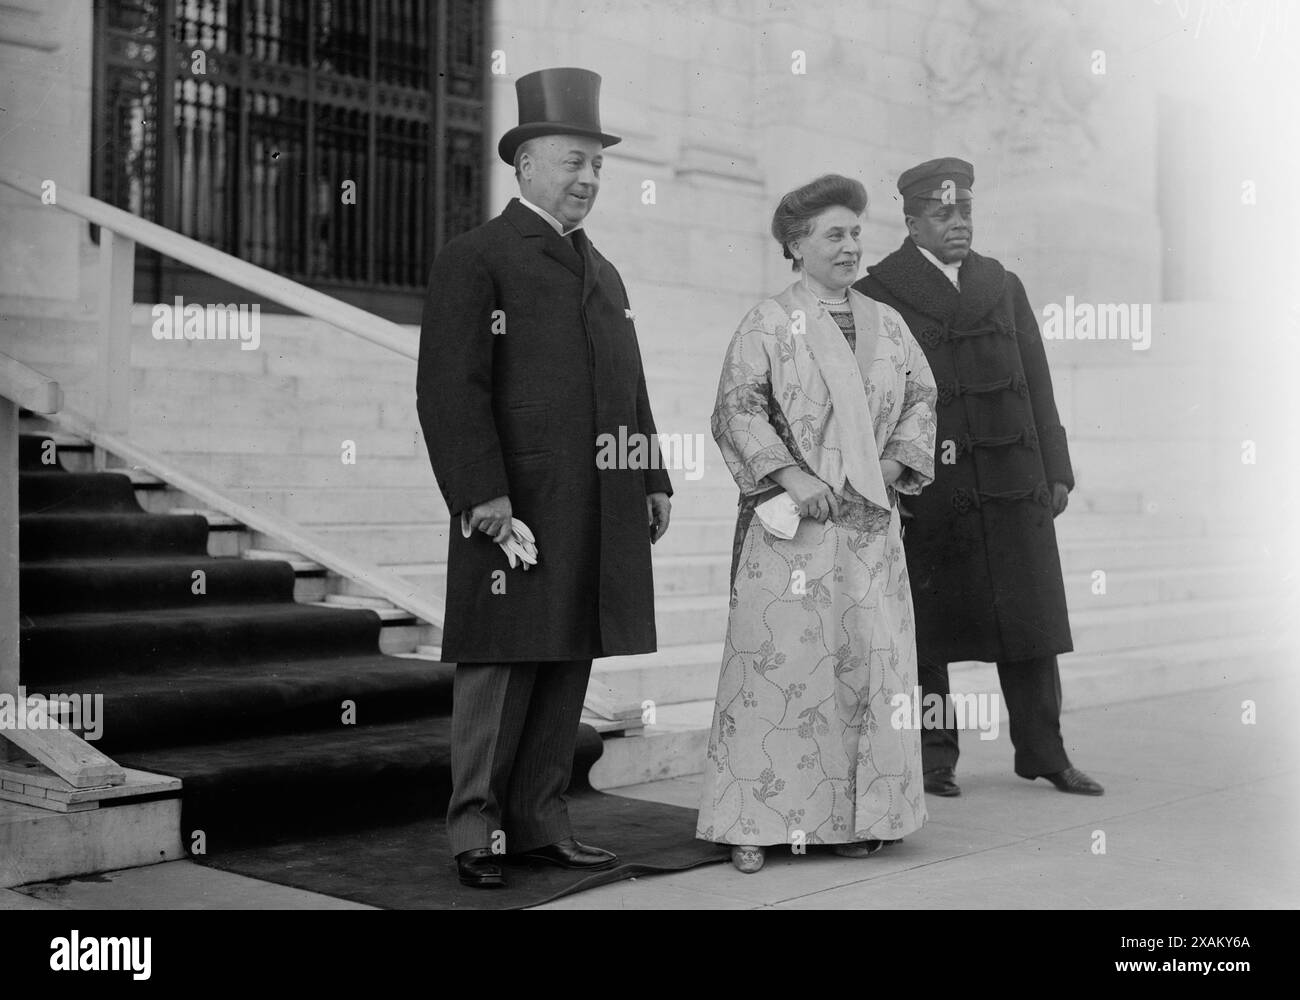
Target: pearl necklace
<point>825,302</point>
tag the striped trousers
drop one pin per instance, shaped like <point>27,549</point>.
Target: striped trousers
<point>514,727</point>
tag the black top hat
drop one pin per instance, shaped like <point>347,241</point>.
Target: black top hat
<point>563,101</point>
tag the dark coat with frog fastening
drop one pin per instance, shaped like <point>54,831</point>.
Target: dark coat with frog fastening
<point>981,547</point>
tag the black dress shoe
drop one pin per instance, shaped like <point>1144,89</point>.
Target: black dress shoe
<point>1075,781</point>
<point>568,853</point>
<point>940,781</point>
<point>479,869</point>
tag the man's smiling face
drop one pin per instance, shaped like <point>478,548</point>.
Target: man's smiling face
<point>561,174</point>
<point>945,230</point>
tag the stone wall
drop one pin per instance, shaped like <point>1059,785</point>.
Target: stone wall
<point>1084,187</point>
<point>712,111</point>
<point>1066,110</point>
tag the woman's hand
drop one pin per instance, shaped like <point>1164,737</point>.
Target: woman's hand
<point>890,470</point>
<point>813,497</point>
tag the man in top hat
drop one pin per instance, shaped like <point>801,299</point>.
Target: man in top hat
<point>528,354</point>
<point>981,545</point>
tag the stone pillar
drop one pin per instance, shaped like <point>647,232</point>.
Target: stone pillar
<point>45,61</point>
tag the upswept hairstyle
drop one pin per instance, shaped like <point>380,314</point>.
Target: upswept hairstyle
<point>794,215</point>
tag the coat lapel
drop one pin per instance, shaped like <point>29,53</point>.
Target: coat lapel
<point>537,230</point>
<point>591,263</point>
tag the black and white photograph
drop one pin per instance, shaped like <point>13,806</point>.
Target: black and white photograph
<point>651,455</point>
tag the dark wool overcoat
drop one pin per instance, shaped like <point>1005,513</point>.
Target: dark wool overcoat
<point>527,355</point>
<point>981,549</point>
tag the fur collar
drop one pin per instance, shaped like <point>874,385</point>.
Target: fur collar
<point>917,283</point>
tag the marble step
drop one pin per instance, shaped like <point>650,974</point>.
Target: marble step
<point>182,442</point>
<point>691,619</point>
<point>673,746</point>
<point>708,576</point>
<point>181,402</point>
<point>328,367</point>
<point>341,505</point>
<point>686,665</point>
<point>164,406</point>
<point>676,743</point>
<point>245,471</point>
<point>217,382</point>
<point>282,335</point>
<point>187,399</point>
<point>313,374</point>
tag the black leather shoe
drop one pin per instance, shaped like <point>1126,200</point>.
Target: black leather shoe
<point>568,853</point>
<point>1075,781</point>
<point>940,781</point>
<point>479,869</point>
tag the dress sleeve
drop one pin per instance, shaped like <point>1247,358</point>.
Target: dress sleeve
<point>911,443</point>
<point>742,414</point>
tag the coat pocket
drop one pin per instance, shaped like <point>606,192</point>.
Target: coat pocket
<point>527,429</point>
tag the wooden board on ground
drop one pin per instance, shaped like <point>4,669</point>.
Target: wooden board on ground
<point>67,755</point>
<point>614,727</point>
<point>31,778</point>
<point>601,701</point>
<point>44,802</point>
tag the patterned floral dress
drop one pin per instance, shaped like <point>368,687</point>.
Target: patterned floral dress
<point>820,634</point>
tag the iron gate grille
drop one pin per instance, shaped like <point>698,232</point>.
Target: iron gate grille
<point>238,123</point>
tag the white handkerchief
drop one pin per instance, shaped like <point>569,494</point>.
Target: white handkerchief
<point>780,515</point>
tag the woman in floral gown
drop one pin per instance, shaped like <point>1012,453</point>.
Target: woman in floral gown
<point>826,400</point>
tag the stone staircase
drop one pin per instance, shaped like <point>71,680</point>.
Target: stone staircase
<point>1184,603</point>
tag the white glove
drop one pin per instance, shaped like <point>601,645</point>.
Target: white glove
<point>522,543</point>
<point>520,548</point>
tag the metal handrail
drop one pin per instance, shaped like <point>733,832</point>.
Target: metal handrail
<point>258,280</point>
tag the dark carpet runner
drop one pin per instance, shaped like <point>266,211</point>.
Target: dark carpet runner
<point>241,693</point>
